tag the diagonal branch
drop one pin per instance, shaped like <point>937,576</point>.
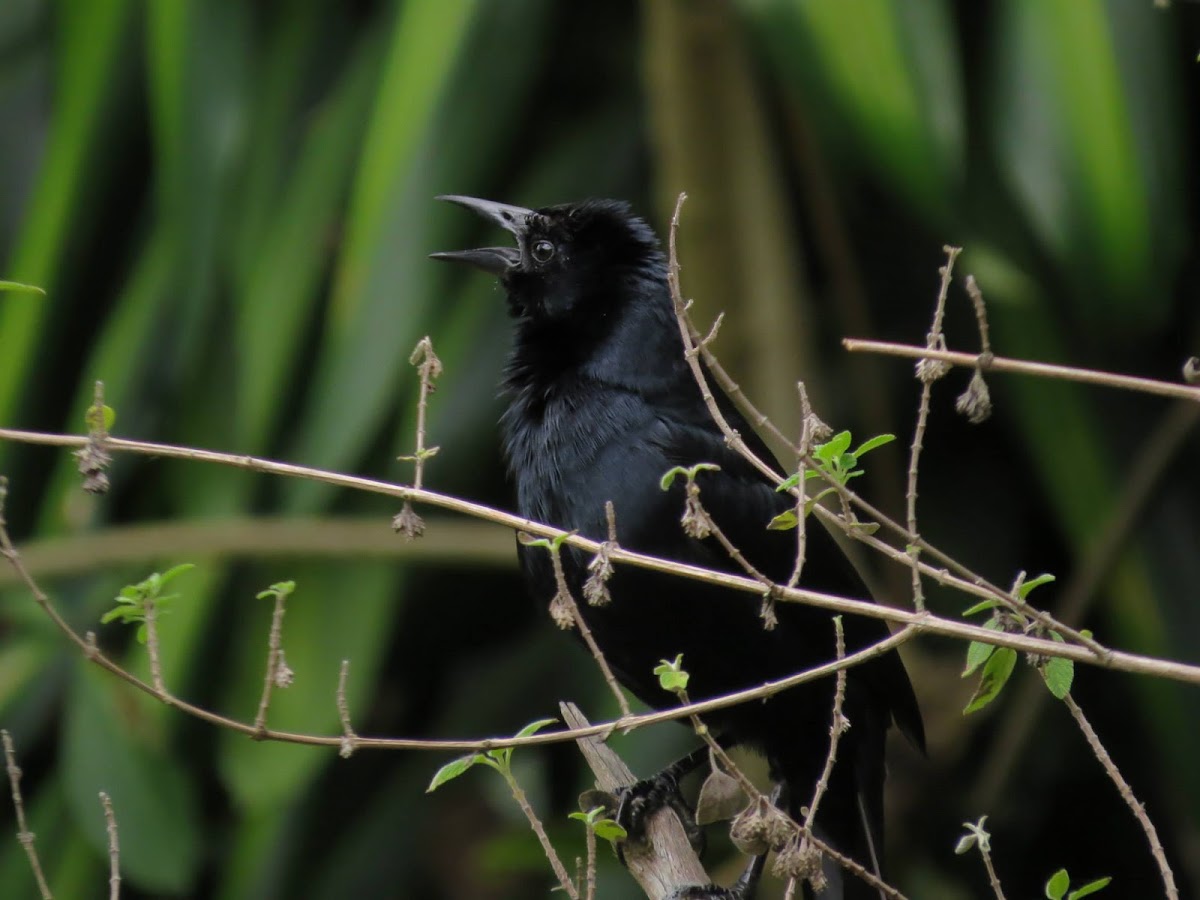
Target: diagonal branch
<point>1113,660</point>
<point>1139,811</point>
<point>1027,367</point>
<point>24,836</point>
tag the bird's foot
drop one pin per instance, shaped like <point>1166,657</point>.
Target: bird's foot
<point>745,888</point>
<point>705,892</point>
<point>642,799</point>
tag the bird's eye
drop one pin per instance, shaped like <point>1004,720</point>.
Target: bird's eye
<point>543,251</point>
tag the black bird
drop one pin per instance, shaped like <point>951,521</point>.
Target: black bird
<point>602,404</point>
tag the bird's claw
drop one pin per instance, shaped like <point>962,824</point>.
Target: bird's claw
<point>704,892</point>
<point>745,888</point>
<point>637,802</point>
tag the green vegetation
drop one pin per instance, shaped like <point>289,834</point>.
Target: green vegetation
<point>227,207</point>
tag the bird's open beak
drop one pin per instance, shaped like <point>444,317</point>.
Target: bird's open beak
<point>496,260</point>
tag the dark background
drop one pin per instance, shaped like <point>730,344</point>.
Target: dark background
<point>229,205</point>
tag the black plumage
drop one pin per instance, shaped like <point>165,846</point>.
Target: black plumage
<point>602,404</point>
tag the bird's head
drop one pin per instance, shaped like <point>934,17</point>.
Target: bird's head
<point>570,262</point>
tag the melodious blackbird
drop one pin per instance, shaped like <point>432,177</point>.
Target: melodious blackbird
<point>602,403</point>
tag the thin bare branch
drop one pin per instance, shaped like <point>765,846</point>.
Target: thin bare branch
<point>981,320</point>
<point>836,728</point>
<point>25,837</point>
<point>156,675</point>
<point>803,448</point>
<point>407,522</point>
<point>87,646</point>
<point>560,871</point>
<point>993,878</point>
<point>565,599</point>
<point>274,659</point>
<point>767,612</point>
<point>430,367</point>
<point>114,848</point>
<point>589,836</point>
<point>969,582</point>
<point>600,569</point>
<point>1089,652</point>
<point>1139,811</point>
<point>927,373</point>
<point>349,738</point>
<point>1025,367</point>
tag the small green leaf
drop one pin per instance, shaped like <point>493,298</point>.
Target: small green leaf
<point>790,482</point>
<point>17,287</point>
<point>878,441</point>
<point>534,727</point>
<point>1090,888</point>
<point>498,760</point>
<point>452,770</point>
<point>668,478</point>
<point>809,504</point>
<point>977,654</point>
<point>1059,673</point>
<point>143,633</point>
<point>609,830</point>
<point>502,758</point>
<point>981,606</point>
<point>102,418</point>
<point>1057,886</point>
<point>175,571</point>
<point>604,828</point>
<point>976,833</point>
<point>834,447</point>
<point>995,675</point>
<point>280,588</point>
<point>785,521</point>
<point>1026,587</point>
<point>671,675</point>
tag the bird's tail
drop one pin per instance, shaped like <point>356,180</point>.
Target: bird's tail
<point>850,814</point>
<point>841,884</point>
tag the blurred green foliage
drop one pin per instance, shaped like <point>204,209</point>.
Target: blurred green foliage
<point>229,206</point>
